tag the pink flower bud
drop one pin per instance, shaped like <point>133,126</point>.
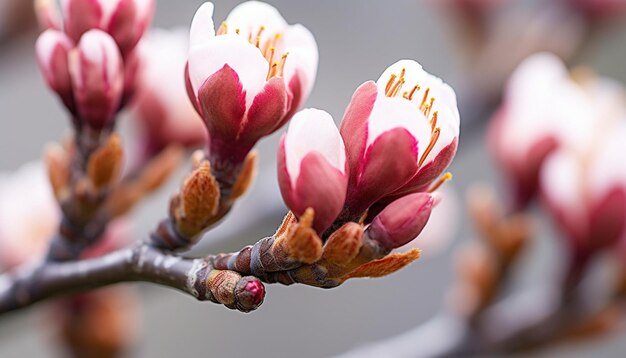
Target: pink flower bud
<point>249,78</point>
<point>52,50</point>
<point>400,132</point>
<point>165,113</point>
<point>586,190</point>
<point>312,168</point>
<point>124,20</point>
<point>401,221</point>
<point>97,77</point>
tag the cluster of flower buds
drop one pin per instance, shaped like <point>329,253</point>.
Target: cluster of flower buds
<point>246,79</point>
<point>397,137</point>
<point>87,58</point>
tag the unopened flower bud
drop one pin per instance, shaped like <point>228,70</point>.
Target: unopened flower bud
<point>97,78</point>
<point>52,50</point>
<point>312,171</point>
<point>401,221</point>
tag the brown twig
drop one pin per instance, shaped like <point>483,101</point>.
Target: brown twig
<point>140,263</point>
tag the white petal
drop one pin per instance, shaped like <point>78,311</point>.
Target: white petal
<point>444,103</point>
<point>237,53</point>
<point>313,130</point>
<point>562,183</point>
<point>249,16</point>
<point>299,42</point>
<point>202,27</point>
<point>395,112</point>
<point>539,100</point>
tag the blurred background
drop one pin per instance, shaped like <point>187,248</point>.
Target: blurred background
<point>357,40</point>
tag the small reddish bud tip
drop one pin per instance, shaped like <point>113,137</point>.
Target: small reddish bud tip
<point>249,294</point>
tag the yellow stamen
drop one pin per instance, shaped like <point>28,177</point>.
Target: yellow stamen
<point>409,95</point>
<point>392,79</point>
<point>237,31</point>
<point>424,99</point>
<point>433,121</point>
<point>444,178</point>
<point>283,60</point>
<point>433,140</point>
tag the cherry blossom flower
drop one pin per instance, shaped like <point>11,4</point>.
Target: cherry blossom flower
<point>542,109</point>
<point>401,133</point>
<point>312,168</point>
<point>248,78</point>
<point>585,189</point>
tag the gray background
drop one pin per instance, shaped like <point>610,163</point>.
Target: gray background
<point>357,40</point>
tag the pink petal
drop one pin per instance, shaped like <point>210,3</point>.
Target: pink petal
<point>319,186</point>
<point>81,16</point>
<point>430,171</point>
<point>389,163</point>
<point>52,56</point>
<point>223,104</point>
<point>266,112</point>
<point>607,221</point>
<point>354,123</point>
<point>401,221</point>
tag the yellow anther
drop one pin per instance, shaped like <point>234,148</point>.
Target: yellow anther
<point>433,140</point>
<point>444,178</point>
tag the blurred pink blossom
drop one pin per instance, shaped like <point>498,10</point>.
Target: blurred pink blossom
<point>29,217</point>
<point>586,191</point>
<point>542,108</point>
<point>248,78</point>
<point>165,114</point>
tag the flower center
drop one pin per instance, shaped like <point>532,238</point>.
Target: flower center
<point>394,89</point>
<point>267,45</point>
